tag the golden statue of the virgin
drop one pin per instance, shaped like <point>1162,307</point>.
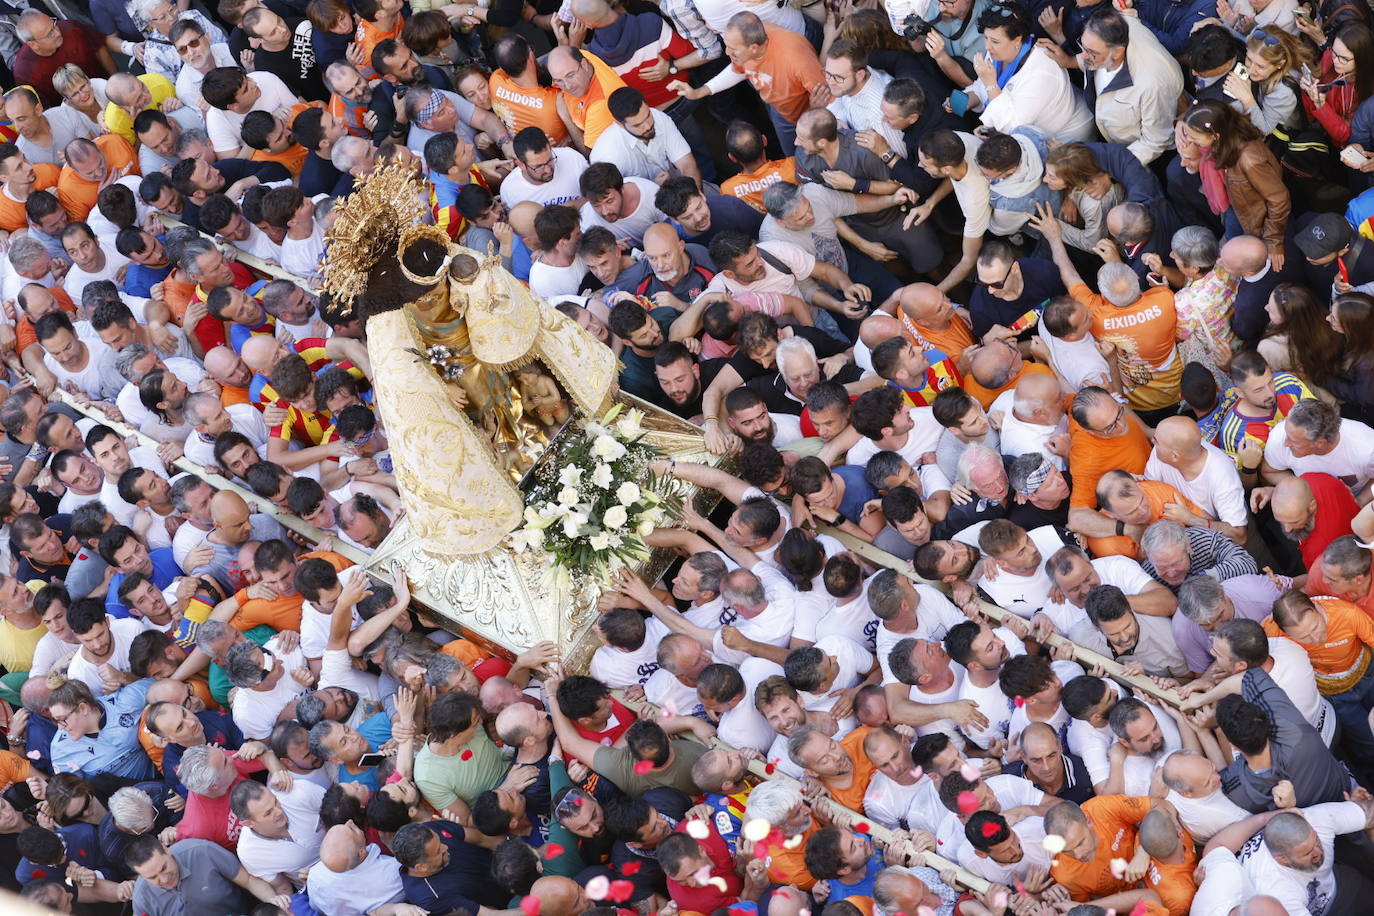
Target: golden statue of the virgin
<point>460,432</point>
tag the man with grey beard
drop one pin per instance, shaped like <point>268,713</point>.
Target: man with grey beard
<point>672,267</point>
<point>1313,510</point>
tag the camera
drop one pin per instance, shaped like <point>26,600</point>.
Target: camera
<point>401,90</point>
<point>914,28</point>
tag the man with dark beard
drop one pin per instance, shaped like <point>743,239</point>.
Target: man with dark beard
<point>1313,510</point>
<point>681,379</point>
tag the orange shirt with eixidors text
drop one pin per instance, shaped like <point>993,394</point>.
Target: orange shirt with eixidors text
<point>1113,818</point>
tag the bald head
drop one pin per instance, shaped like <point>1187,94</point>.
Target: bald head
<point>1159,834</point>
<point>228,509</point>
<point>1244,255</point>
<point>1038,739</point>
<point>993,365</point>
<point>221,362</point>
<point>1263,905</point>
<point>81,150</point>
<point>1286,832</point>
<point>166,690</point>
<point>259,352</point>
<point>593,12</point>
<point>522,215</point>
<point>1130,223</point>
<point>121,88</point>
<point>1188,774</point>
<point>1038,399</point>
<point>21,102</point>
<point>920,300</point>
<point>1178,438</point>
<point>342,847</point>
<point>817,123</point>
<point>1294,506</point>
<point>879,327</point>
<point>515,722</point>
<point>558,896</point>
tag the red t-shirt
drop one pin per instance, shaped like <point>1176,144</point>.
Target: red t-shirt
<point>710,898</point>
<point>620,721</point>
<point>79,46</point>
<point>210,330</point>
<point>210,818</point>
<point>1335,509</point>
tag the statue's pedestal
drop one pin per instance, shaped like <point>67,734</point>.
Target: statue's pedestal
<point>510,601</point>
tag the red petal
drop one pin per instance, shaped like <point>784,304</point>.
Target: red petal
<point>467,755</point>
<point>643,766</point>
<point>621,891</point>
<point>531,905</point>
<point>1020,701</point>
<point>629,868</point>
<point>577,802</point>
<point>1139,909</point>
<point>552,850</point>
<point>968,802</point>
<point>39,873</point>
<point>990,830</point>
<point>861,827</point>
<point>770,769</point>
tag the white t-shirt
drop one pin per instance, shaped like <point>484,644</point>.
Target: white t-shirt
<point>637,159</point>
<point>123,629</point>
<point>935,614</point>
<point>926,812</point>
<point>798,260</point>
<point>1291,887</point>
<point>665,691</point>
<point>1078,362</point>
<point>548,280</point>
<point>924,437</point>
<point>189,78</point>
<point>1092,746</point>
<point>255,711</point>
<point>337,670</point>
<point>1352,460</point>
<point>373,883</point>
<point>224,126</point>
<point>887,802</point>
<point>302,256</point>
<point>617,668</point>
<point>1224,884</point>
<point>1031,833</point>
<point>632,227</point>
<point>1073,622</point>
<point>129,403</point>
<point>745,726</point>
<point>991,701</point>
<point>1017,437</point>
<point>562,188</point>
<point>1217,489</point>
<point>98,378</point>
<point>300,848</point>
<point>76,280</point>
<point>50,652</point>
<point>1024,595</point>
<point>1207,816</point>
<point>244,419</point>
<point>1293,672</point>
<point>315,623</point>
<point>854,620</point>
<point>773,626</point>
<point>854,662</point>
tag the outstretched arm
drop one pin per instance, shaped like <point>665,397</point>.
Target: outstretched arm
<point>581,748</point>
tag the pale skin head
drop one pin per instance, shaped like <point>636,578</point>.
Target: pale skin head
<point>1178,440</point>
<point>1293,504</point>
<point>1197,772</point>
<point>230,514</point>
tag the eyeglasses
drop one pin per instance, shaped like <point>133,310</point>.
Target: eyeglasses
<point>571,804</point>
<point>65,717</point>
<point>1120,419</point>
<point>1000,283</point>
<point>196,43</point>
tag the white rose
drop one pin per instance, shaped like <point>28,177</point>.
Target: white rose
<point>627,493</point>
<point>570,476</point>
<point>568,496</point>
<point>600,541</point>
<point>608,448</point>
<point>646,527</point>
<point>601,477</point>
<point>629,427</point>
<point>615,517</point>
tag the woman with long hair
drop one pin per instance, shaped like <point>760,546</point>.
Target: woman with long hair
<point>1352,316</point>
<point>1299,338</point>
<point>1343,84</point>
<point>1269,98</point>
<point>1241,179</point>
<point>1089,193</point>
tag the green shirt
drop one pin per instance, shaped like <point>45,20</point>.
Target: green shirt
<point>616,764</point>
<point>442,780</point>
<point>219,681</point>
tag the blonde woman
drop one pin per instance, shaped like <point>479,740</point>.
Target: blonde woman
<point>83,95</point>
<point>1269,98</point>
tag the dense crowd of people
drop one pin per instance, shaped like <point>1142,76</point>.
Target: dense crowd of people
<point>1062,309</point>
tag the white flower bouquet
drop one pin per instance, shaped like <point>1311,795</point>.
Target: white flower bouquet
<point>591,506</point>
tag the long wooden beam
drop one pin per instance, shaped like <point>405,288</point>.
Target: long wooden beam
<point>246,258</point>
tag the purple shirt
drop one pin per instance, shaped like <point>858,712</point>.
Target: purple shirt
<point>1253,596</point>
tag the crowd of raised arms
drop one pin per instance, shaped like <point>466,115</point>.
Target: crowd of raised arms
<point>1038,345</point>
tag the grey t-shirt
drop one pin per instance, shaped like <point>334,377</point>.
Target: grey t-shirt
<point>820,238</point>
<point>223,566</point>
<point>206,887</point>
<point>86,572</point>
<point>854,160</point>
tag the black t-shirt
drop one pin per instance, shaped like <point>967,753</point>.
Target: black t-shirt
<point>970,513</point>
<point>465,882</point>
<point>774,392</point>
<point>1078,785</point>
<point>708,369</point>
<point>1040,283</point>
<point>295,63</point>
<point>729,214</point>
<point>238,38</point>
<point>318,175</point>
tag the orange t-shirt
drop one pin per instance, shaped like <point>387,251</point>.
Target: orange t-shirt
<point>1158,494</point>
<point>25,335</point>
<point>1144,337</point>
<point>279,613</point>
<point>230,395</point>
<point>749,186</point>
<point>1114,820</point>
<point>786,72</point>
<point>291,158</point>
<point>12,214</point>
<point>1317,585</point>
<point>1344,655</point>
<point>466,651</point>
<point>13,769</point>
<point>590,111</point>
<point>788,866</point>
<point>1174,882</point>
<point>952,341</point>
<point>78,195</point>
<point>519,107</point>
<point>853,797</point>
<point>368,36</point>
<point>1091,457</point>
<point>986,396</point>
<point>178,291</point>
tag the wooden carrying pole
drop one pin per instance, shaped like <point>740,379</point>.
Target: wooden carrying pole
<point>838,812</point>
<point>220,482</point>
<point>247,259</point>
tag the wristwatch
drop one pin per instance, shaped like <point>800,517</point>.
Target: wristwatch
<point>672,67</point>
<point>888,156</point>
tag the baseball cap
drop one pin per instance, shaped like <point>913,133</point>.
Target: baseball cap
<point>1324,236</point>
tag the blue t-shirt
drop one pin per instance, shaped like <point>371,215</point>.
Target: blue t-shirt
<point>521,260</point>
<point>857,490</point>
<point>465,881</point>
<point>165,572</point>
<point>139,279</point>
<point>219,729</point>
